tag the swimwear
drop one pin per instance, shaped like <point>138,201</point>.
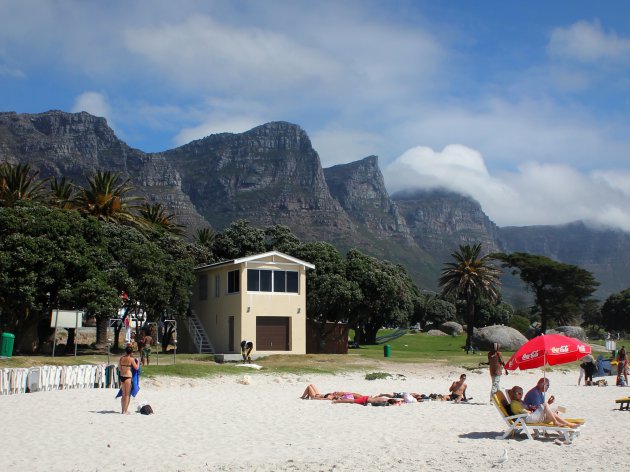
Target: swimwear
<point>122,379</point>
<point>361,400</point>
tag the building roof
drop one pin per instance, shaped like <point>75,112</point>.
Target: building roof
<point>256,257</point>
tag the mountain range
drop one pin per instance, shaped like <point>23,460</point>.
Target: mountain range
<point>272,175</point>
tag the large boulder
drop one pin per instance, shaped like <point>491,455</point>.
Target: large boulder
<point>436,332</point>
<point>571,331</point>
<point>508,338</point>
<point>452,327</point>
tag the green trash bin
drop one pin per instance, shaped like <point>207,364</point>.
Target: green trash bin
<point>6,346</point>
<point>387,350</point>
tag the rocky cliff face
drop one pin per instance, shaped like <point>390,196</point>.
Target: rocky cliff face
<point>360,189</point>
<point>268,175</point>
<point>272,175</point>
<point>75,145</point>
<point>440,221</point>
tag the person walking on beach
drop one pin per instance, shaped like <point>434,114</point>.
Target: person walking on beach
<point>125,363</point>
<point>622,363</point>
<point>495,361</point>
<point>147,340</point>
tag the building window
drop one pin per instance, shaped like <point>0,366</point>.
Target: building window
<point>217,286</point>
<point>233,282</point>
<point>292,282</point>
<point>272,281</point>
<point>203,287</point>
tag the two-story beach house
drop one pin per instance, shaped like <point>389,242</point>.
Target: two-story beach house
<point>260,298</point>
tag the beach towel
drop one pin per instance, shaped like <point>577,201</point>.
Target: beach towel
<point>135,383</point>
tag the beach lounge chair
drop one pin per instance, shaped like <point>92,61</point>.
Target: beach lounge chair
<point>624,403</point>
<point>516,423</point>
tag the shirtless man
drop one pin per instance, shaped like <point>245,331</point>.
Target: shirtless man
<point>458,389</point>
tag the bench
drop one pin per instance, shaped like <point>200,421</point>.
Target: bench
<point>624,403</point>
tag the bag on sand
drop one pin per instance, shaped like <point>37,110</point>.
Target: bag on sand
<point>146,410</point>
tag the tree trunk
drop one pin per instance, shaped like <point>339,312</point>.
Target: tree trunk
<point>102,323</point>
<point>470,325</point>
<point>70,340</point>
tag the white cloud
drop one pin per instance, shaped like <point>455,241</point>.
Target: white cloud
<point>94,103</point>
<point>205,53</point>
<point>534,194</point>
<point>11,72</point>
<point>588,42</point>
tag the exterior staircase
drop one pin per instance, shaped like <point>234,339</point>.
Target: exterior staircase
<point>198,335</point>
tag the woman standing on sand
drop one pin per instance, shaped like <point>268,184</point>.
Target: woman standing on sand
<point>125,363</point>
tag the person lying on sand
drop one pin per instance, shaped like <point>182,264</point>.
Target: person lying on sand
<point>458,389</point>
<point>541,414</point>
<point>376,401</point>
<point>407,397</point>
<point>312,393</point>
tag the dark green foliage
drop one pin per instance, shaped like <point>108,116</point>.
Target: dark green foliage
<point>389,297</point>
<point>51,258</point>
<point>490,313</point>
<point>469,278</point>
<point>19,184</point>
<point>616,311</point>
<point>330,296</point>
<point>520,323</point>
<point>560,290</point>
<point>438,311</point>
<point>240,239</point>
<point>280,238</point>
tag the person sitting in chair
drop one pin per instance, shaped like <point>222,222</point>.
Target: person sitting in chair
<point>540,414</point>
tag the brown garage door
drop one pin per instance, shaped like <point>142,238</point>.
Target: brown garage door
<point>272,333</point>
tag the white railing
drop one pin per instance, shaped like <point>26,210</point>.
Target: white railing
<point>197,333</point>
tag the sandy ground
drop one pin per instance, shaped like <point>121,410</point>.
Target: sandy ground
<point>222,424</point>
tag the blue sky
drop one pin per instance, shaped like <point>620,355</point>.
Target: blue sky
<point>521,105</point>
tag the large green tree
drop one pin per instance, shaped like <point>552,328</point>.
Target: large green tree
<point>330,296</point>
<point>51,258</point>
<point>616,311</point>
<point>389,297</point>
<point>469,277</point>
<point>238,240</point>
<point>560,290</point>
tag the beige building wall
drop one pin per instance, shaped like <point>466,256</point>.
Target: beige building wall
<point>214,306</point>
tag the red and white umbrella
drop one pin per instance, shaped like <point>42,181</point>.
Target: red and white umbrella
<point>548,349</point>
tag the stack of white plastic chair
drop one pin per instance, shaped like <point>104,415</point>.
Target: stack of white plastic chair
<point>100,376</point>
<point>34,379</point>
<point>4,381</point>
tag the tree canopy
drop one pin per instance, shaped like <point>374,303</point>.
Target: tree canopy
<point>616,311</point>
<point>469,277</point>
<point>560,290</point>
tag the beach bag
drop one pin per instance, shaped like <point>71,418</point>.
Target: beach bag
<point>146,410</point>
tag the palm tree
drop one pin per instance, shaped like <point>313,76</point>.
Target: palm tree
<point>63,194</point>
<point>155,216</point>
<point>468,278</point>
<point>205,237</point>
<point>106,198</point>
<point>18,183</point>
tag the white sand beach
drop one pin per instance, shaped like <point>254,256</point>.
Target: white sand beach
<point>221,424</point>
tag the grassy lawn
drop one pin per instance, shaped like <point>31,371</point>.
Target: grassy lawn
<point>410,348</point>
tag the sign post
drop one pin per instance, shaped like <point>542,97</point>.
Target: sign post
<point>66,319</point>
